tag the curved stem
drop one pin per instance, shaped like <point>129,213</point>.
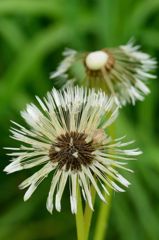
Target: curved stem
<point>88,214</point>
<point>79,217</point>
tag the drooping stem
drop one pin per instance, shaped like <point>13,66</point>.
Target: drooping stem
<point>104,210</point>
<point>88,214</point>
<point>79,217</point>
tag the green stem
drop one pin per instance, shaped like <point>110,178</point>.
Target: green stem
<point>79,217</point>
<point>104,210</point>
<point>88,214</point>
<point>103,217</point>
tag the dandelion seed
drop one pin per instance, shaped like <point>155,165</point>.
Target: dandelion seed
<point>66,135</point>
<point>121,72</point>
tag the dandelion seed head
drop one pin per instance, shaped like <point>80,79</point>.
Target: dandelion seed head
<point>122,72</point>
<point>66,137</point>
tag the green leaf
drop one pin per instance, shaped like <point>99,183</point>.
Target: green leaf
<point>47,8</point>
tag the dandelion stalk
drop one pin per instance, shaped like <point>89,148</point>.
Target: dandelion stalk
<point>88,214</point>
<point>103,217</point>
<point>79,217</point>
<point>104,210</point>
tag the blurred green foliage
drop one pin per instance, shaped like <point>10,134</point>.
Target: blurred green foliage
<point>32,35</point>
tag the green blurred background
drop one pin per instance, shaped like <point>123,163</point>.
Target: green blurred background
<point>33,33</point>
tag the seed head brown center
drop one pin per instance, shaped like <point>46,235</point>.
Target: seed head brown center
<point>72,151</point>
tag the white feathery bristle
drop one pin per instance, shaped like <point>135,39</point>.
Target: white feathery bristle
<point>13,167</point>
<point>116,187</point>
<point>29,192</point>
<point>73,205</point>
<point>123,180</point>
<point>58,203</point>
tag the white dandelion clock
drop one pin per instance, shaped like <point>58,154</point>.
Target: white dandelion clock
<point>121,72</point>
<point>66,136</point>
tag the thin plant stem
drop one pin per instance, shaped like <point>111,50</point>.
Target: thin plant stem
<point>103,217</point>
<point>79,217</point>
<point>104,210</point>
<point>88,214</point>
